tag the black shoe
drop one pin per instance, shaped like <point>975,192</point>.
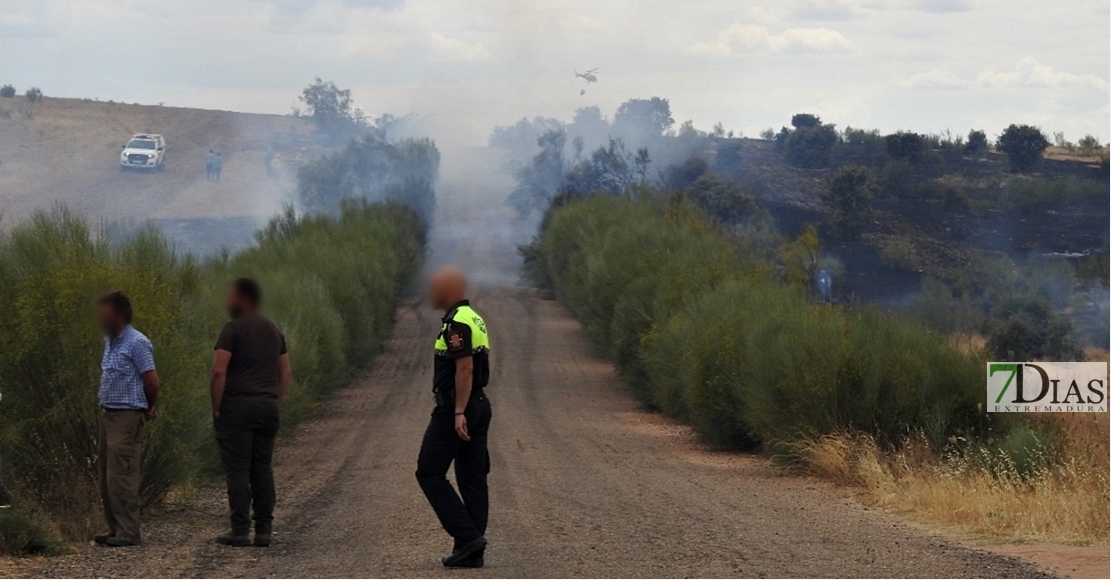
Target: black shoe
<point>103,538</point>
<point>119,542</point>
<point>233,540</point>
<point>465,553</point>
<point>262,540</point>
<point>476,561</point>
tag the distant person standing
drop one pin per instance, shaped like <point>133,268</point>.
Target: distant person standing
<point>210,165</point>
<point>269,162</point>
<point>250,377</point>
<point>217,166</point>
<point>128,392</point>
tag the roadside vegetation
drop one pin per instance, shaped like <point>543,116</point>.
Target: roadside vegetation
<point>715,313</point>
<point>331,284</point>
<point>331,278</point>
<point>705,329</point>
<point>967,226</point>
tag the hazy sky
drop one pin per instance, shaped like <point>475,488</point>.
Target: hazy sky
<point>464,66</point>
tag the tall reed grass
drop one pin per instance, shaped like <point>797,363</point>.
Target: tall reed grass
<point>331,284</point>
<point>701,331</point>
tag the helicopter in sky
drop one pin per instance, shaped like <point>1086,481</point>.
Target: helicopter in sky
<point>587,76</point>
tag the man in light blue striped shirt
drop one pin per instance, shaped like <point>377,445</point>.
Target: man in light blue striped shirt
<point>128,392</point>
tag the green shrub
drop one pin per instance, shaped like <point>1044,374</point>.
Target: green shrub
<point>7,91</point>
<point>722,198</point>
<point>1023,145</point>
<point>849,196</point>
<point>977,142</point>
<point>1089,145</point>
<point>810,146</point>
<point>1034,194</point>
<point>1023,453</point>
<point>907,146</point>
<point>703,332</point>
<point>24,535</point>
<point>33,94</point>
<point>1025,327</point>
<point>898,252</point>
<point>332,285</point>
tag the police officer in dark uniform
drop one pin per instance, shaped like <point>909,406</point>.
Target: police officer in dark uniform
<point>459,424</point>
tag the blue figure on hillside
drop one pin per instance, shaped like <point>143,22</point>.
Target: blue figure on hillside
<point>823,286</point>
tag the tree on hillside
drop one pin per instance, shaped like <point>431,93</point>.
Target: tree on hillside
<point>639,119</point>
<point>1023,145</point>
<point>641,163</point>
<point>810,144</point>
<point>849,195</point>
<point>372,169</point>
<point>521,137</point>
<point>800,258</point>
<point>722,198</point>
<point>610,169</point>
<point>590,125</point>
<point>681,176</point>
<point>807,120</point>
<point>1089,145</point>
<point>1025,327</point>
<point>909,146</point>
<point>7,91</point>
<point>332,109</point>
<point>977,142</point>
<point>540,178</point>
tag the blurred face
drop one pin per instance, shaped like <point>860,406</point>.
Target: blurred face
<point>110,320</point>
<point>435,292</point>
<point>445,288</point>
<point>235,304</point>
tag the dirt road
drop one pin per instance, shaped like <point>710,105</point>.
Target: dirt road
<point>583,484</point>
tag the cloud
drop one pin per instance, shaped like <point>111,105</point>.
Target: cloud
<point>856,9</point>
<point>833,9</point>
<point>446,49</point>
<point>943,6</point>
<point>753,38</point>
<point>299,6</point>
<point>935,79</point>
<point>1029,73</point>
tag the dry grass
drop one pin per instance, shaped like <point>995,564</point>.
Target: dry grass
<point>67,150</point>
<point>978,493</point>
<point>1074,154</point>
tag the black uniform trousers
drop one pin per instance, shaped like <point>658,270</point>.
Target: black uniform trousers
<point>464,518</point>
<point>245,432</point>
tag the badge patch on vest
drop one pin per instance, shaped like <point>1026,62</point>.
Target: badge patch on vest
<point>455,340</point>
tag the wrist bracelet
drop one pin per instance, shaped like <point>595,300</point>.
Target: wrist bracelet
<point>458,413</point>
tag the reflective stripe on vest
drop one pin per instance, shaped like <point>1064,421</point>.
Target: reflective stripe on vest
<point>480,340</point>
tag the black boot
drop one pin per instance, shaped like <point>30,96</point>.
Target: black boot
<point>466,554</point>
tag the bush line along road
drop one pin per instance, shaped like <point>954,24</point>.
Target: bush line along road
<point>583,483</point>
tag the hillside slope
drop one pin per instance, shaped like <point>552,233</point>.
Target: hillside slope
<point>67,151</point>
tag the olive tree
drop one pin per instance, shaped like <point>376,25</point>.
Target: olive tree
<point>1023,145</point>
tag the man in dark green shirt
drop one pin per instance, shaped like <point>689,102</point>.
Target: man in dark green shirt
<point>250,376</point>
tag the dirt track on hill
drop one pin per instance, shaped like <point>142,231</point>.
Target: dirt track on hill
<point>67,151</point>
<point>583,484</point>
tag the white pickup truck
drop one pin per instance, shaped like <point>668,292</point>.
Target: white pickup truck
<point>144,151</point>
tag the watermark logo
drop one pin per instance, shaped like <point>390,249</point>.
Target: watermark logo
<point>1047,387</point>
